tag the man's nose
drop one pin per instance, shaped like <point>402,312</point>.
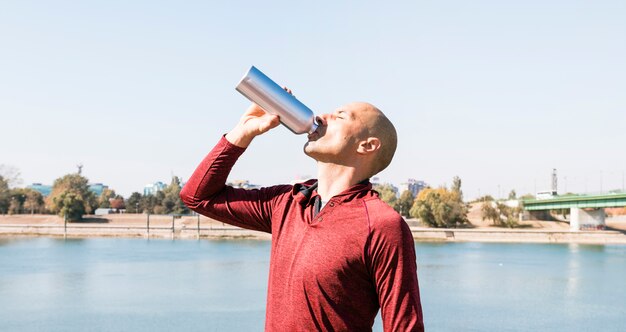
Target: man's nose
<point>322,120</point>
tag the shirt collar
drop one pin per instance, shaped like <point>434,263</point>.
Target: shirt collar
<point>309,190</point>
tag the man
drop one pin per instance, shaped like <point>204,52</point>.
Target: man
<point>339,253</point>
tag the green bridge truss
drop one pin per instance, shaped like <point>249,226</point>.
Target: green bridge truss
<point>578,201</point>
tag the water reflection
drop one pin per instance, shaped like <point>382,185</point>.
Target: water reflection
<point>573,269</point>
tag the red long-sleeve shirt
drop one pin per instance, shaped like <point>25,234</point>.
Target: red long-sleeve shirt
<point>328,271</point>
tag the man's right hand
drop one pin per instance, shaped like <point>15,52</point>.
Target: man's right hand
<point>255,121</point>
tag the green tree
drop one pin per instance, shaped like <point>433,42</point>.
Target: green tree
<point>404,203</point>
<point>489,212</point>
<point>149,203</point>
<point>18,198</point>
<point>440,207</point>
<point>71,197</point>
<point>72,205</point>
<point>171,198</point>
<point>134,203</point>
<point>387,194</point>
<point>5,197</point>
<point>512,194</point>
<point>500,214</point>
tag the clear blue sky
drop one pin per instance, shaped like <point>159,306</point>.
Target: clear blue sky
<point>496,92</point>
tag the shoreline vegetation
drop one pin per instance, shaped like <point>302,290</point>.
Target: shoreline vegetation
<point>438,214</point>
<point>195,227</point>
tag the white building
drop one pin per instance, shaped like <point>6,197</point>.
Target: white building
<point>245,184</point>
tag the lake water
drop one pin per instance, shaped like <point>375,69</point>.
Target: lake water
<point>184,285</point>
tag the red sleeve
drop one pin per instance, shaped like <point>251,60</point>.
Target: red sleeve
<point>206,192</point>
<point>394,268</point>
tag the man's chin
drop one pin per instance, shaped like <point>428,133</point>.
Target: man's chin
<point>309,149</point>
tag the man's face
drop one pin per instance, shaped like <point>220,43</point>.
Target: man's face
<point>338,135</point>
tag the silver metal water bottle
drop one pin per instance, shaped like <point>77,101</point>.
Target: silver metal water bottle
<point>261,90</point>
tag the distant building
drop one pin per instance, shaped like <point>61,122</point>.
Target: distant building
<point>546,194</point>
<point>97,188</point>
<point>153,188</point>
<point>245,184</point>
<point>412,185</point>
<point>43,189</point>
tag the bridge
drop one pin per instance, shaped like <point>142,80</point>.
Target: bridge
<point>585,210</point>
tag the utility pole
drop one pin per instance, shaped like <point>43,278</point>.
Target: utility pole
<point>554,181</point>
<point>600,181</point>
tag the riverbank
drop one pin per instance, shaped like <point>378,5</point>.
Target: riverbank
<point>193,227</point>
<point>229,232</point>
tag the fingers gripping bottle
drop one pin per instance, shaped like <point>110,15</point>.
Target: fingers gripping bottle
<point>261,90</point>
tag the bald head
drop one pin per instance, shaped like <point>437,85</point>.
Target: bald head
<point>376,124</point>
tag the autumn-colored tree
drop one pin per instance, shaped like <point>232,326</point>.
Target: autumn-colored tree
<point>104,200</point>
<point>71,197</point>
<point>34,202</point>
<point>440,207</point>
<point>117,202</point>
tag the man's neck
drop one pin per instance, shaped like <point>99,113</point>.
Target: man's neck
<point>332,179</point>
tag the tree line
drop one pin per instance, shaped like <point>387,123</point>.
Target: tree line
<point>444,208</point>
<point>72,198</point>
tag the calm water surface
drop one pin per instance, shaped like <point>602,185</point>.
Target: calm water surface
<point>184,285</point>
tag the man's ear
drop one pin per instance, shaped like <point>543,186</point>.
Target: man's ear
<point>369,145</point>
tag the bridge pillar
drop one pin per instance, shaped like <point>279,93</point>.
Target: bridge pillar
<point>586,219</point>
